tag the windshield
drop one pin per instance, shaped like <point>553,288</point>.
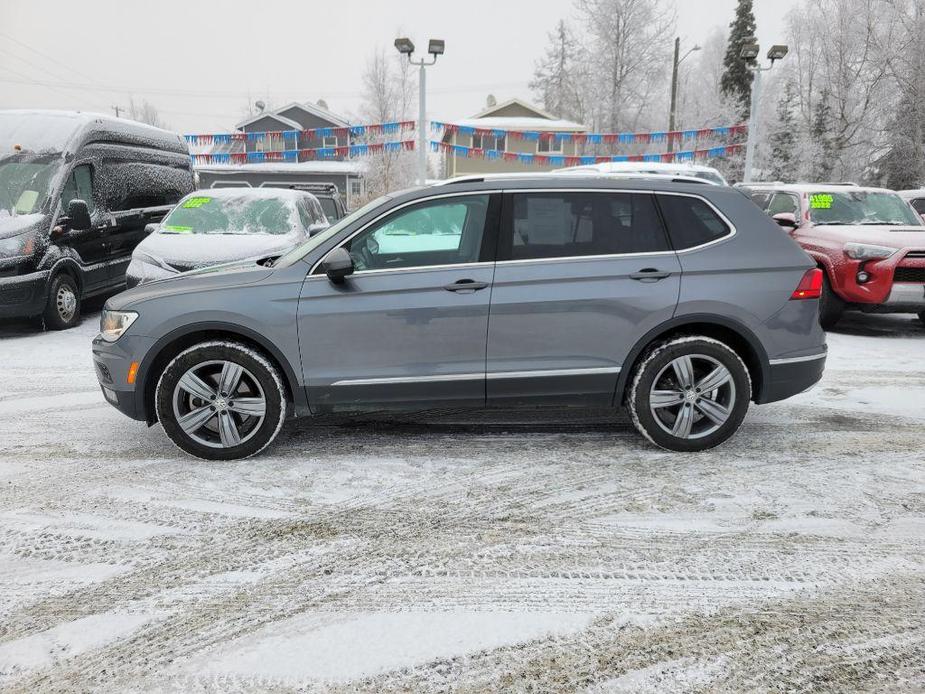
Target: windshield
<point>299,252</point>
<point>25,182</point>
<point>232,214</point>
<point>859,207</point>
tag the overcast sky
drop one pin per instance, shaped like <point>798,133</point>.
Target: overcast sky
<point>201,61</point>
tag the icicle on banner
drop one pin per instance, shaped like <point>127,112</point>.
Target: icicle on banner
<point>563,160</point>
<point>313,133</point>
<point>594,138</point>
<point>297,155</point>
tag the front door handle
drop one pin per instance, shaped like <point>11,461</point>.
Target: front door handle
<point>467,286</point>
<point>649,274</point>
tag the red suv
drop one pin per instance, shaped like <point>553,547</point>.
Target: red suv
<point>869,242</point>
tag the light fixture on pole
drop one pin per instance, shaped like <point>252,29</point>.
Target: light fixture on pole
<point>435,47</point>
<point>674,86</point>
<point>749,52</point>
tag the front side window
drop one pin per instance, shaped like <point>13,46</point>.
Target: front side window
<point>562,225</point>
<point>783,202</point>
<point>79,186</point>
<point>860,207</point>
<point>691,221</point>
<point>447,231</point>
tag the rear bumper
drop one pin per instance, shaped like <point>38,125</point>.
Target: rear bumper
<point>791,376</point>
<point>24,295</point>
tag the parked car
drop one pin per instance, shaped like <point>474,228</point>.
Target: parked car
<point>706,173</point>
<point>77,191</point>
<point>677,300</point>
<point>916,198</point>
<point>869,242</point>
<point>327,194</point>
<point>222,225</point>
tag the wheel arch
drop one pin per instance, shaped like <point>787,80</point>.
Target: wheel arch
<point>174,342</point>
<point>69,267</point>
<point>727,330</point>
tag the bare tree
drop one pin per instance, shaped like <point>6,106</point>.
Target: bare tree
<point>560,78</point>
<point>145,112</point>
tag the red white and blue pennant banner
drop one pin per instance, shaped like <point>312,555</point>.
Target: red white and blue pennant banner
<point>594,138</point>
<point>313,133</point>
<point>563,160</point>
<point>296,155</point>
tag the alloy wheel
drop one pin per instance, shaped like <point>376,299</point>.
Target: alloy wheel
<point>692,396</point>
<point>219,404</point>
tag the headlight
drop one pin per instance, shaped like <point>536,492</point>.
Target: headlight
<point>865,251</point>
<point>21,245</point>
<point>114,323</point>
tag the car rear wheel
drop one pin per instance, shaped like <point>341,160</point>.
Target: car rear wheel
<point>63,308</point>
<point>831,307</point>
<point>221,401</point>
<point>690,394</point>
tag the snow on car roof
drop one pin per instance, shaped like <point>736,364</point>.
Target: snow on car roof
<point>912,194</point>
<point>338,167</point>
<point>256,193</point>
<point>818,188</point>
<point>640,166</point>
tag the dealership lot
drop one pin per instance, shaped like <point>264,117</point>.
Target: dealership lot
<point>451,550</point>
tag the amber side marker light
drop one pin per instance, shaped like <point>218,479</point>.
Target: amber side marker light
<point>810,287</point>
<point>132,373</point>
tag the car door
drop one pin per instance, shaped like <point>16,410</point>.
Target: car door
<point>580,277</point>
<point>89,244</point>
<point>408,327</point>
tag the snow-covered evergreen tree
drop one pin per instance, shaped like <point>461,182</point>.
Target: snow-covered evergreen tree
<point>737,78</point>
<point>783,138</point>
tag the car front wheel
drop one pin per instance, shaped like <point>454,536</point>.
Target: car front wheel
<point>221,401</point>
<point>690,394</point>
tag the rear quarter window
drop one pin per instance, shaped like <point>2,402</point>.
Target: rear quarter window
<point>691,221</point>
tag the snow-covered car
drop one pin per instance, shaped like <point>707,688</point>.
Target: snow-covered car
<point>916,198</point>
<point>225,225</point>
<point>706,173</point>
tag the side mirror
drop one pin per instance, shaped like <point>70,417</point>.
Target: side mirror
<point>78,215</point>
<point>317,227</point>
<point>150,228</point>
<point>788,220</point>
<point>337,265</point>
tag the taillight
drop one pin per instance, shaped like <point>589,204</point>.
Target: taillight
<point>810,287</point>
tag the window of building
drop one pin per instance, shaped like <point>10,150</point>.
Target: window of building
<point>330,141</point>
<point>562,225</point>
<point>549,145</point>
<point>480,141</point>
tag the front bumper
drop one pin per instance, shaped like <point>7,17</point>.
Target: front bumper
<point>903,298</point>
<point>112,361</point>
<point>24,295</point>
<point>791,376</point>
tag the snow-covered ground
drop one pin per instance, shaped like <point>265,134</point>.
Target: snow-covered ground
<point>552,553</point>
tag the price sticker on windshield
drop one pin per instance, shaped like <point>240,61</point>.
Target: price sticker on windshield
<point>820,201</point>
<point>194,203</point>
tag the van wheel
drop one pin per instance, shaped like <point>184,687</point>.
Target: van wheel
<point>831,306</point>
<point>63,308</point>
<point>690,394</point>
<point>220,401</point>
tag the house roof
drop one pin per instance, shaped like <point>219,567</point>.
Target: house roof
<point>315,111</point>
<point>290,124</point>
<point>522,123</point>
<point>514,102</point>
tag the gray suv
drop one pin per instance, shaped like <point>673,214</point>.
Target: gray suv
<point>682,302</point>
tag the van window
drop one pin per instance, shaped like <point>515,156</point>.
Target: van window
<point>79,186</point>
<point>133,185</point>
<point>919,205</point>
<point>560,225</point>
<point>446,231</point>
<point>691,221</point>
<point>783,202</point>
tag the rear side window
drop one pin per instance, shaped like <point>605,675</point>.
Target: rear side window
<point>563,225</point>
<point>919,205</point>
<point>761,199</point>
<point>691,221</point>
<point>133,185</point>
<point>783,202</point>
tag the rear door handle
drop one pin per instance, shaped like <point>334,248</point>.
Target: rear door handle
<point>649,274</point>
<point>465,286</point>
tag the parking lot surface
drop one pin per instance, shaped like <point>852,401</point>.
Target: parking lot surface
<point>554,550</point>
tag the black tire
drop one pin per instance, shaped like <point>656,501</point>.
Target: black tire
<point>259,379</point>
<point>922,317</point>
<point>63,308</point>
<point>733,395</point>
<point>831,306</point>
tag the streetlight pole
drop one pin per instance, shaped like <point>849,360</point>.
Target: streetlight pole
<point>435,47</point>
<point>749,52</point>
<point>672,110</point>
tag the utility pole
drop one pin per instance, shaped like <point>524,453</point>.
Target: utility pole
<point>117,109</point>
<point>672,111</point>
<point>435,48</point>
